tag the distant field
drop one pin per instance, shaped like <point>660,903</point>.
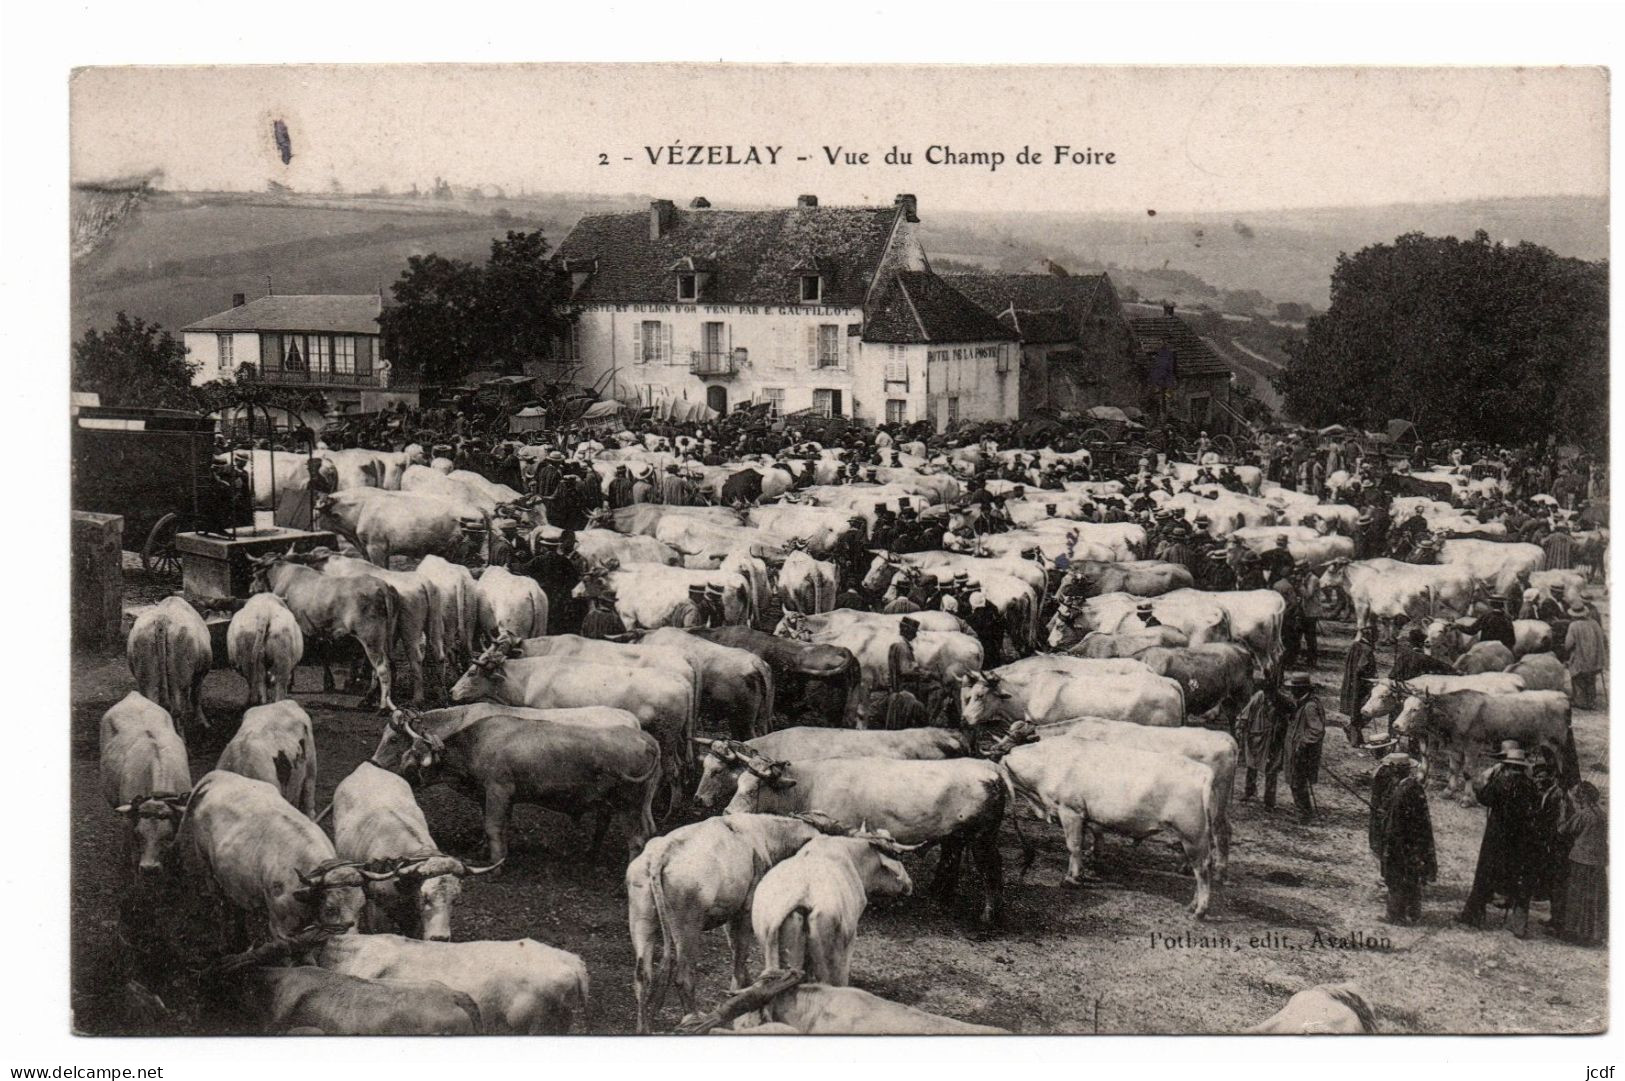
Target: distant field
<point>179,258</point>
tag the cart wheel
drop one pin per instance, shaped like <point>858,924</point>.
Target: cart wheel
<point>159,555</point>
<point>1093,437</point>
<point>1226,446</point>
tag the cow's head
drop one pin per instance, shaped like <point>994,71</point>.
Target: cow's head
<point>406,748</point>
<point>758,772</point>
<point>982,699</point>
<point>720,770</point>
<point>881,571</point>
<point>883,873</point>
<point>152,821</point>
<point>1019,732</point>
<point>1384,693</point>
<point>485,676</point>
<point>334,893</point>
<point>433,884</point>
<point>1415,714</point>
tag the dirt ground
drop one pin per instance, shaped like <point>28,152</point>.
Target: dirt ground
<point>1302,906</point>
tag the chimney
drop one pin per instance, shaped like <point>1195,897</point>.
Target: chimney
<point>806,200</point>
<point>1168,308</point>
<point>238,300</point>
<point>662,216</point>
<point>910,205</point>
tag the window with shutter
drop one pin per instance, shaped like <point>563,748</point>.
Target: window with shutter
<point>810,333</point>
<point>896,365</point>
<point>271,352</point>
<point>829,345</point>
<point>666,353</point>
<point>363,355</point>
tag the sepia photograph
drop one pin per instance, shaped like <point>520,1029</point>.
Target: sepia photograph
<point>730,549</point>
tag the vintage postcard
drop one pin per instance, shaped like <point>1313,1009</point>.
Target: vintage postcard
<point>836,550</point>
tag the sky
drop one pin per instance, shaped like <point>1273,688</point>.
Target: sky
<point>1183,139</point>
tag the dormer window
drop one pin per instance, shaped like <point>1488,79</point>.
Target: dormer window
<point>812,288</point>
<point>693,278</point>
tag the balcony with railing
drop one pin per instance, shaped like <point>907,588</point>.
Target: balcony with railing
<point>711,363</point>
<point>373,379</point>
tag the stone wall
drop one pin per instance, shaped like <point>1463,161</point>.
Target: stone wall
<point>98,580</point>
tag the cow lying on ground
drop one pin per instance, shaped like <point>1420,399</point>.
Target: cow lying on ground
<point>276,744</point>
<point>265,645</point>
<point>806,911</point>
<point>692,880</point>
<point>814,1009</point>
<point>956,803</point>
<point>146,778</point>
<point>308,997</point>
<point>1327,1009</point>
<point>377,822</point>
<point>169,653</point>
<point>565,768</point>
<point>1098,786</point>
<point>522,988</point>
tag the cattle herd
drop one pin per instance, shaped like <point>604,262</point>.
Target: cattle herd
<point>873,653</point>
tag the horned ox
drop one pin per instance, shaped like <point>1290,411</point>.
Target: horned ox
<point>806,910</point>
<point>146,778</point>
<point>956,802</point>
<point>1466,720</point>
<point>265,645</point>
<point>276,744</point>
<point>501,760</point>
<point>1099,786</point>
<point>327,609</point>
<point>720,771</point>
<point>170,654</point>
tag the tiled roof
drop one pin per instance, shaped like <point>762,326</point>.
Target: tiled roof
<point>331,312</point>
<point>1048,308</point>
<point>1191,353</point>
<point>918,306</point>
<point>1052,325</point>
<point>757,254</point>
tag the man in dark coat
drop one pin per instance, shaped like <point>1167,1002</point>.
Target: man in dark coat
<point>548,475</point>
<point>1413,659</point>
<point>903,674</point>
<point>568,507</point>
<point>987,623</point>
<point>744,486</point>
<point>1305,736</point>
<point>1402,837</point>
<point>620,489</point>
<point>850,556</point>
<point>601,621</point>
<point>1492,625</point>
<point>1277,563</point>
<point>555,570</point>
<point>1551,872</point>
<point>1261,735</point>
<point>1359,670</point>
<point>1510,851</point>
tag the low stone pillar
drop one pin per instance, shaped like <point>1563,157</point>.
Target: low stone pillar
<point>98,580</point>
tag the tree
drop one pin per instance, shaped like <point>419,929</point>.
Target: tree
<point>1467,339</point>
<point>432,323</point>
<point>521,301</point>
<point>136,363</point>
<point>450,316</point>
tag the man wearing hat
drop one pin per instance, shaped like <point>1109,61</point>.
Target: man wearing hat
<point>1305,736</point>
<point>554,568</point>
<point>643,486</point>
<point>987,623</point>
<point>548,475</point>
<point>504,531</point>
<point>1261,736</point>
<point>674,490</point>
<point>1146,613</point>
<point>1277,562</point>
<point>902,668</point>
<point>1509,852</point>
<point>1401,835</point>
<point>714,614</point>
<point>1359,672</point>
<point>691,611</point>
<point>1492,624</point>
<point>851,555</point>
<point>1584,652</point>
<point>620,489</point>
<point>884,536</point>
<point>1559,548</point>
<point>602,621</point>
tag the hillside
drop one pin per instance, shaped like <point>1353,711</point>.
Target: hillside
<point>175,258</point>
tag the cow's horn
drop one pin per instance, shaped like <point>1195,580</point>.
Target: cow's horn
<point>469,869</point>
<point>384,875</point>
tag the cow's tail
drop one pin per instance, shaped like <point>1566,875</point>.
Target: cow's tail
<point>766,693</point>
<point>259,680</point>
<point>668,941</point>
<point>166,685</point>
<point>818,590</point>
<point>772,946</point>
<point>1029,850</point>
<point>1210,812</point>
